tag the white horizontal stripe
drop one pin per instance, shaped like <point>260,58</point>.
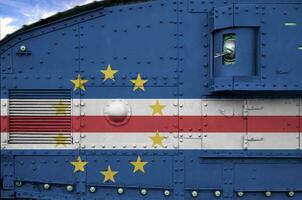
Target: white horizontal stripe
<point>198,107</point>
<point>274,141</point>
<point>255,107</point>
<point>223,140</point>
<point>139,107</point>
<point>205,141</point>
<point>251,141</point>
<point>189,107</point>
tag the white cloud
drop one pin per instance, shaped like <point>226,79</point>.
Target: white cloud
<point>6,26</point>
<point>33,12</point>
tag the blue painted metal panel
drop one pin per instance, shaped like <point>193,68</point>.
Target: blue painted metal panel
<point>94,40</point>
<point>121,163</point>
<point>6,62</point>
<point>171,44</point>
<point>180,172</point>
<point>124,38</point>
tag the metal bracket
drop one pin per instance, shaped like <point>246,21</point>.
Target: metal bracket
<point>246,140</point>
<point>23,53</point>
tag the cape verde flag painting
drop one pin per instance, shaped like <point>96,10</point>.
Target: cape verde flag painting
<point>154,100</point>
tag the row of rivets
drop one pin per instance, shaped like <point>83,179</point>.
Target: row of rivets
<point>241,194</point>
<point>46,186</point>
<point>143,192</point>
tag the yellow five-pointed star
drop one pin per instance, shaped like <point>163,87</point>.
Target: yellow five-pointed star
<point>139,83</point>
<point>79,165</point>
<point>138,165</point>
<point>157,139</point>
<point>79,83</point>
<point>157,108</point>
<point>109,73</point>
<point>61,108</point>
<point>61,139</point>
<point>109,174</point>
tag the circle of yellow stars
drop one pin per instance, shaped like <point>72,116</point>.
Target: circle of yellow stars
<point>157,140</point>
<point>109,73</point>
<point>109,174</point>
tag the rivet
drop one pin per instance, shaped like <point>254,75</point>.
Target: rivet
<point>22,48</point>
<point>120,190</point>
<point>240,194</point>
<point>69,188</point>
<point>217,193</point>
<point>18,183</point>
<point>167,193</point>
<point>46,186</point>
<point>291,193</point>
<point>144,192</point>
<point>4,104</point>
<point>92,189</point>
<point>194,194</point>
<point>268,194</point>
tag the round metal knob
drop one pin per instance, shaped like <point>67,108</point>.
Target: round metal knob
<point>69,188</point>
<point>92,189</point>
<point>144,192</point>
<point>22,48</point>
<point>166,192</point>
<point>217,193</point>
<point>46,186</point>
<point>240,194</point>
<point>18,183</point>
<point>268,194</point>
<point>291,193</point>
<point>117,112</point>
<point>120,190</point>
<point>194,193</point>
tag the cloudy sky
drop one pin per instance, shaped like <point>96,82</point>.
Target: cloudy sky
<point>15,13</point>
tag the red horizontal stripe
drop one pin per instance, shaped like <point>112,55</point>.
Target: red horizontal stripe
<point>153,123</point>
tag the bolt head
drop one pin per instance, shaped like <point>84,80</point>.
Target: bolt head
<point>167,193</point>
<point>194,193</point>
<point>291,193</point>
<point>69,188</point>
<point>240,194</point>
<point>120,190</point>
<point>46,186</point>
<point>92,189</point>
<point>217,193</point>
<point>18,183</point>
<point>268,194</point>
<point>22,48</point>
<point>144,192</point>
